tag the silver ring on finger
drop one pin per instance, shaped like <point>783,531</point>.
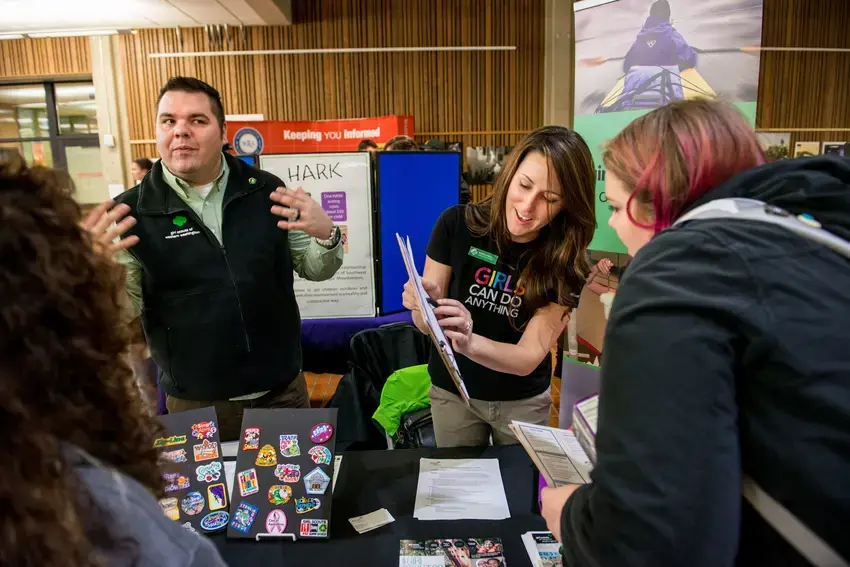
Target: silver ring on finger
<point>468,326</point>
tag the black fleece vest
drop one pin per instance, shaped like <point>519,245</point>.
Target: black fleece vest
<point>220,319</point>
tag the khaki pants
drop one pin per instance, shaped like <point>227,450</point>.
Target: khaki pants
<point>456,425</point>
<point>229,413</point>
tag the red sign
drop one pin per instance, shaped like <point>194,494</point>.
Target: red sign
<point>280,137</point>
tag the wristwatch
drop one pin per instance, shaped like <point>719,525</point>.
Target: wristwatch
<point>333,240</point>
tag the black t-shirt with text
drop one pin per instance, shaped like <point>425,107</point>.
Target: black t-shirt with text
<point>487,285</point>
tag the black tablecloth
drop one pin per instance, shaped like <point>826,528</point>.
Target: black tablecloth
<point>370,480</point>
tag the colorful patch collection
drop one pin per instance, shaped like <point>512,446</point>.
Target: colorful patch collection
<point>197,494</point>
<point>278,479</point>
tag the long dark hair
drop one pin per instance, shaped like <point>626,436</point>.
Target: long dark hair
<point>557,261</point>
<point>64,382</point>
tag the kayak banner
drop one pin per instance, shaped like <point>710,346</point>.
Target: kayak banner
<point>636,55</point>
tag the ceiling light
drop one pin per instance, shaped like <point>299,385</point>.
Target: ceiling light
<point>71,33</point>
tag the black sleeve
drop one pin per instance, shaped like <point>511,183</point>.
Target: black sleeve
<point>666,489</point>
<point>440,246</point>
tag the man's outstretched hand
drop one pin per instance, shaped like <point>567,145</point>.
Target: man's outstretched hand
<point>106,223</point>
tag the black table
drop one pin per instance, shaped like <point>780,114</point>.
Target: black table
<point>370,480</point>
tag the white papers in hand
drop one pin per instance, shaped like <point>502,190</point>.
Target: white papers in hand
<point>443,344</point>
<point>460,489</point>
<point>556,452</point>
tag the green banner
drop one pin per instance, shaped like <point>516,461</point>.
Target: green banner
<point>596,129</point>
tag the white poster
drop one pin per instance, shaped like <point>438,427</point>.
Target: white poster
<point>340,182</point>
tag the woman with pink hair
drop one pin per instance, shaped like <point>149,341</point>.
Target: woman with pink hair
<point>724,422</point>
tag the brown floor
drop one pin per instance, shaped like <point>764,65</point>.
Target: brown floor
<point>322,387</point>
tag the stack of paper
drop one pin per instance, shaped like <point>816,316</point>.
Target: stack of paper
<point>460,489</point>
<point>556,453</point>
<point>585,416</point>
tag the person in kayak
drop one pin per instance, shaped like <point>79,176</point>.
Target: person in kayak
<point>659,44</point>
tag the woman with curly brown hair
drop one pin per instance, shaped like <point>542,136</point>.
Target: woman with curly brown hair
<point>79,473</point>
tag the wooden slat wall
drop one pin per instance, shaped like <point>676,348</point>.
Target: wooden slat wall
<point>799,89</point>
<point>445,92</point>
<point>48,57</point>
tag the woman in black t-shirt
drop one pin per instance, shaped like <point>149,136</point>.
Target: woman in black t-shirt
<point>505,273</point>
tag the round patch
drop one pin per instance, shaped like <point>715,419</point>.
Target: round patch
<point>276,522</point>
<point>214,521</point>
<point>248,141</point>
<point>321,433</point>
<point>192,504</point>
<point>280,494</point>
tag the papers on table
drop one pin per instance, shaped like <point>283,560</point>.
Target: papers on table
<point>372,521</point>
<point>543,549</point>
<point>440,341</point>
<point>460,489</point>
<point>556,452</point>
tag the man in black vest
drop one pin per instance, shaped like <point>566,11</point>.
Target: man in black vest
<point>210,248</point>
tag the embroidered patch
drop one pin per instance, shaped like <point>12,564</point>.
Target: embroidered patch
<point>217,495</point>
<point>280,494</point>
<point>204,430</point>
<point>314,528</point>
<point>205,451</point>
<point>215,521</point>
<point>266,457</point>
<point>193,503</point>
<point>304,504</point>
<point>244,517</point>
<point>321,455</point>
<point>209,472</point>
<point>251,439</point>
<point>289,446</point>
<point>321,433</point>
<point>169,507</point>
<point>168,441</point>
<point>316,482</point>
<point>288,472</point>
<point>248,482</point>
<point>276,522</point>
<point>176,456</point>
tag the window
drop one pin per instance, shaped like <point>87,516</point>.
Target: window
<point>42,120</point>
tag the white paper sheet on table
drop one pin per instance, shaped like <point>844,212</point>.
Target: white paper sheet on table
<point>444,347</point>
<point>460,489</point>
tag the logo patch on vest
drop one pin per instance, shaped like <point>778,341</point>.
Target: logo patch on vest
<point>179,221</point>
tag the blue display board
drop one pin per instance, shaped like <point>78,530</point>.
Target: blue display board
<point>413,189</point>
